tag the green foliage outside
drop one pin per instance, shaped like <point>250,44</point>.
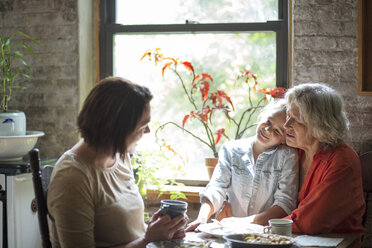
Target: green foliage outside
<point>148,164</point>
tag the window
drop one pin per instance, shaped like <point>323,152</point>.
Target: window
<point>218,37</point>
<point>365,47</point>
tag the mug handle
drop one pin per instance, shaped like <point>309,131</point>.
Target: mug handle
<point>267,229</point>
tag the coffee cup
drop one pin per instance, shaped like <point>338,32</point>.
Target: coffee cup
<point>279,226</point>
<point>173,208</point>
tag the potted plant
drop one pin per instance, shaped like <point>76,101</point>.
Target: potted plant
<point>149,166</point>
<point>205,102</point>
<point>13,65</point>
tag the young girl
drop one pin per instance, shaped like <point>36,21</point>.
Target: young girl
<point>258,175</point>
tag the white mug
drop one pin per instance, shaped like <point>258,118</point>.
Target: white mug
<point>279,226</point>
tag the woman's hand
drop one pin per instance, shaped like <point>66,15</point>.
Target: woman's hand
<point>164,228</point>
<point>193,225</point>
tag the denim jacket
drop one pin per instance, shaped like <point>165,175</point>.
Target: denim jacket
<point>252,188</point>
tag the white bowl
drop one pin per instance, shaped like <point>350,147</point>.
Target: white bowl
<point>13,148</point>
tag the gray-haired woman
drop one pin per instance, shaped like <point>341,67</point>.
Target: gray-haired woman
<point>331,197</point>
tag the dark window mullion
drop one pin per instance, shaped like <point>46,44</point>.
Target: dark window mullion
<point>176,28</point>
<point>106,58</point>
<point>282,41</point>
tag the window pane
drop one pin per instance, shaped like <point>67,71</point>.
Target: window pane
<point>202,11</point>
<point>220,55</point>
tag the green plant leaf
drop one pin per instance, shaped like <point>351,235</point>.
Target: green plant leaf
<point>28,37</point>
<point>6,42</point>
<point>18,87</point>
<point>24,62</point>
<point>19,53</point>
<point>28,48</point>
<point>27,76</point>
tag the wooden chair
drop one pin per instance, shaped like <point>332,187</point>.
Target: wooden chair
<point>40,180</point>
<point>366,162</point>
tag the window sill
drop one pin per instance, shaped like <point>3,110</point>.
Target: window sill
<point>191,192</point>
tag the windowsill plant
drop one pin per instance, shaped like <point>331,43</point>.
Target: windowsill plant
<point>205,102</point>
<point>13,65</point>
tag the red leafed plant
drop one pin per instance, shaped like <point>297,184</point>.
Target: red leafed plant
<point>209,101</point>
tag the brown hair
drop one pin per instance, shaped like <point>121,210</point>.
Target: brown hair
<point>111,112</point>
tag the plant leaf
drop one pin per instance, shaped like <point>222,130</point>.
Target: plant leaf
<point>29,49</point>
<point>188,66</point>
<point>147,53</point>
<point>24,62</point>
<point>219,133</point>
<point>165,67</point>
<point>204,90</point>
<point>6,41</point>
<point>206,76</point>
<point>184,120</point>
<point>27,76</point>
<point>18,53</point>
<point>18,87</point>
<point>28,37</point>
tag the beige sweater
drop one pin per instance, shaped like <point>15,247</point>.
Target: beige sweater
<point>93,207</point>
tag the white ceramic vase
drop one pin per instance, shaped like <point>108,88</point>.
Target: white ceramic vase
<point>12,123</point>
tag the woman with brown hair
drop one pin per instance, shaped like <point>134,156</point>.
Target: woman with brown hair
<point>93,200</point>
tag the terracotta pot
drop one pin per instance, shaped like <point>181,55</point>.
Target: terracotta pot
<point>210,163</point>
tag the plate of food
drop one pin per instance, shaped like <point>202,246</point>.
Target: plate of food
<point>259,240</point>
<point>219,229</point>
<point>180,243</point>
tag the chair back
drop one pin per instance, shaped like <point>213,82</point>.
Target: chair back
<point>40,187</point>
<point>366,163</point>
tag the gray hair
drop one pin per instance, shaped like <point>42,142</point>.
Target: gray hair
<point>274,106</point>
<point>322,111</point>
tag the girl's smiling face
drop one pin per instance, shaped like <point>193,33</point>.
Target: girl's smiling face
<point>270,131</point>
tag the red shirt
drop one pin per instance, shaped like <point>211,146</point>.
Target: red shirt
<point>331,198</point>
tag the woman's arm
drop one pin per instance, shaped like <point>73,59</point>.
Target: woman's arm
<point>215,191</point>
<point>205,212</point>
<point>271,213</point>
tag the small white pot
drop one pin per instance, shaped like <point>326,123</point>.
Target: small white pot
<point>12,123</point>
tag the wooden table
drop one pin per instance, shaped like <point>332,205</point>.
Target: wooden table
<point>349,240</point>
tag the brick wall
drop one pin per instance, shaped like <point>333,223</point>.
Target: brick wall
<point>51,99</point>
<point>325,49</point>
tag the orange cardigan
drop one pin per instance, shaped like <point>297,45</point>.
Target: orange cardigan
<point>331,198</point>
